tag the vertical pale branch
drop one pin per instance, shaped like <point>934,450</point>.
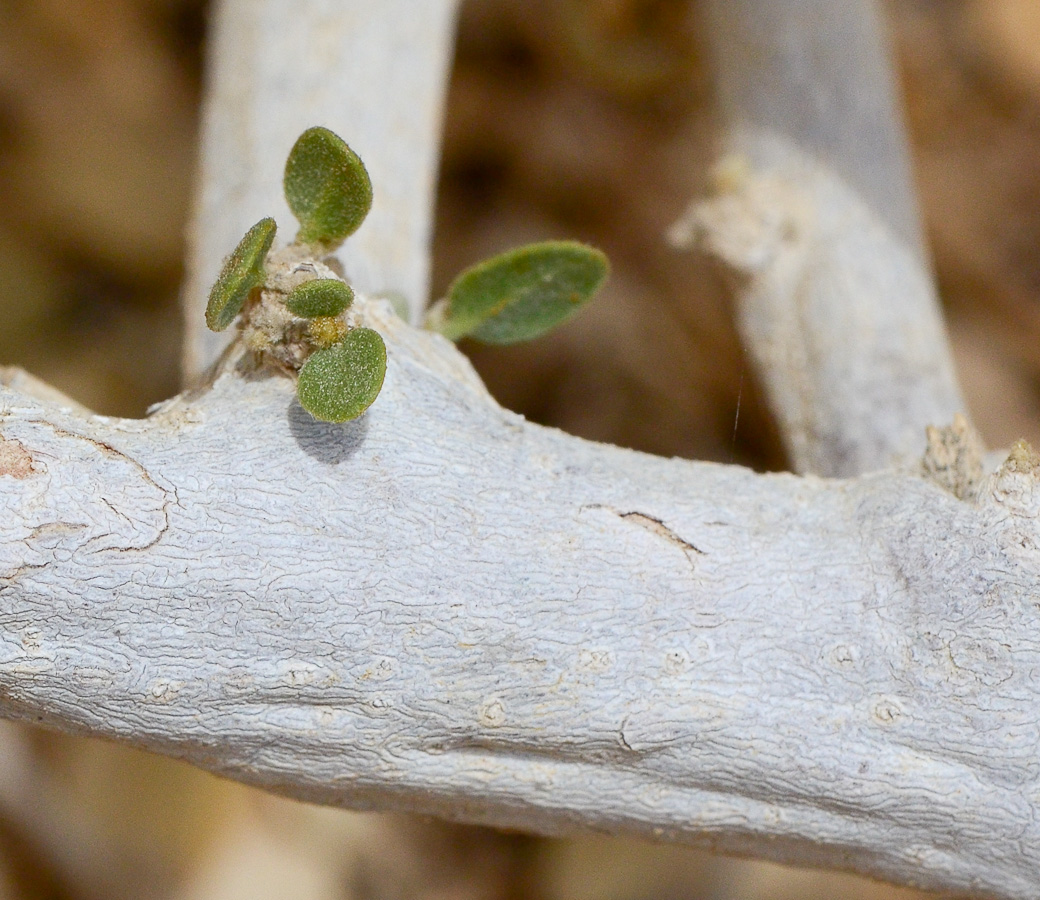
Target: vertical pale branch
<point>817,73</point>
<point>375,73</point>
<point>817,215</point>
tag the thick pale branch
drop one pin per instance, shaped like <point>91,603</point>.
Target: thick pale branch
<point>816,215</point>
<point>375,73</point>
<point>443,608</point>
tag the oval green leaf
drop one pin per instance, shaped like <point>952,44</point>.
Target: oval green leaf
<point>242,273</point>
<point>327,188</point>
<point>320,297</point>
<point>523,293</point>
<point>340,383</point>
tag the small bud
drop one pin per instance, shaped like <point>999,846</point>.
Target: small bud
<point>325,331</point>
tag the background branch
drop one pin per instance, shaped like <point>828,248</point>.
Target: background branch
<point>817,216</point>
<point>819,76</point>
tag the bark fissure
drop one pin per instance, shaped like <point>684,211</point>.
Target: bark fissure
<point>826,664</point>
<point>442,608</point>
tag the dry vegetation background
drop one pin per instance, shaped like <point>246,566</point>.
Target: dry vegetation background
<point>568,118</point>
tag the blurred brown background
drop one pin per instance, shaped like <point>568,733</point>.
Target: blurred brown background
<point>567,118</point>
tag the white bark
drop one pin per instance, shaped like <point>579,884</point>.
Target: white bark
<point>442,608</point>
<point>818,220</point>
<point>445,609</point>
<point>373,72</point>
<point>839,316</point>
<point>819,75</point>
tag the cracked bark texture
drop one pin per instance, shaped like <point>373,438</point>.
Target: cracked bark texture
<point>496,622</point>
<point>442,608</point>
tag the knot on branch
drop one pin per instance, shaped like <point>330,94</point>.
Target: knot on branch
<point>751,220</point>
<point>1014,484</point>
<point>15,460</point>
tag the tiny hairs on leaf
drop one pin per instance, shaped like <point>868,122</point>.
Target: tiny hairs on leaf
<point>523,293</point>
<point>243,272</point>
<point>339,383</point>
<point>320,297</point>
<point>327,188</point>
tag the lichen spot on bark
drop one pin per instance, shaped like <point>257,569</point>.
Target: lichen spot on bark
<point>15,460</point>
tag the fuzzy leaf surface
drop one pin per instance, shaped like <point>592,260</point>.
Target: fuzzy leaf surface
<point>326,187</point>
<point>320,297</point>
<point>242,273</point>
<point>523,293</point>
<point>340,383</point>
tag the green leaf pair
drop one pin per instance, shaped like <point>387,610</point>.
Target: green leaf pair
<point>521,294</point>
<point>329,191</point>
<point>340,382</point>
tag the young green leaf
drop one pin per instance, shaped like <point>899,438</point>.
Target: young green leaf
<point>327,188</point>
<point>319,297</point>
<point>523,293</point>
<point>340,383</point>
<point>243,272</point>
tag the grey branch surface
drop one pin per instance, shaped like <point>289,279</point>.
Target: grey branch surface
<point>817,219</point>
<point>443,608</point>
